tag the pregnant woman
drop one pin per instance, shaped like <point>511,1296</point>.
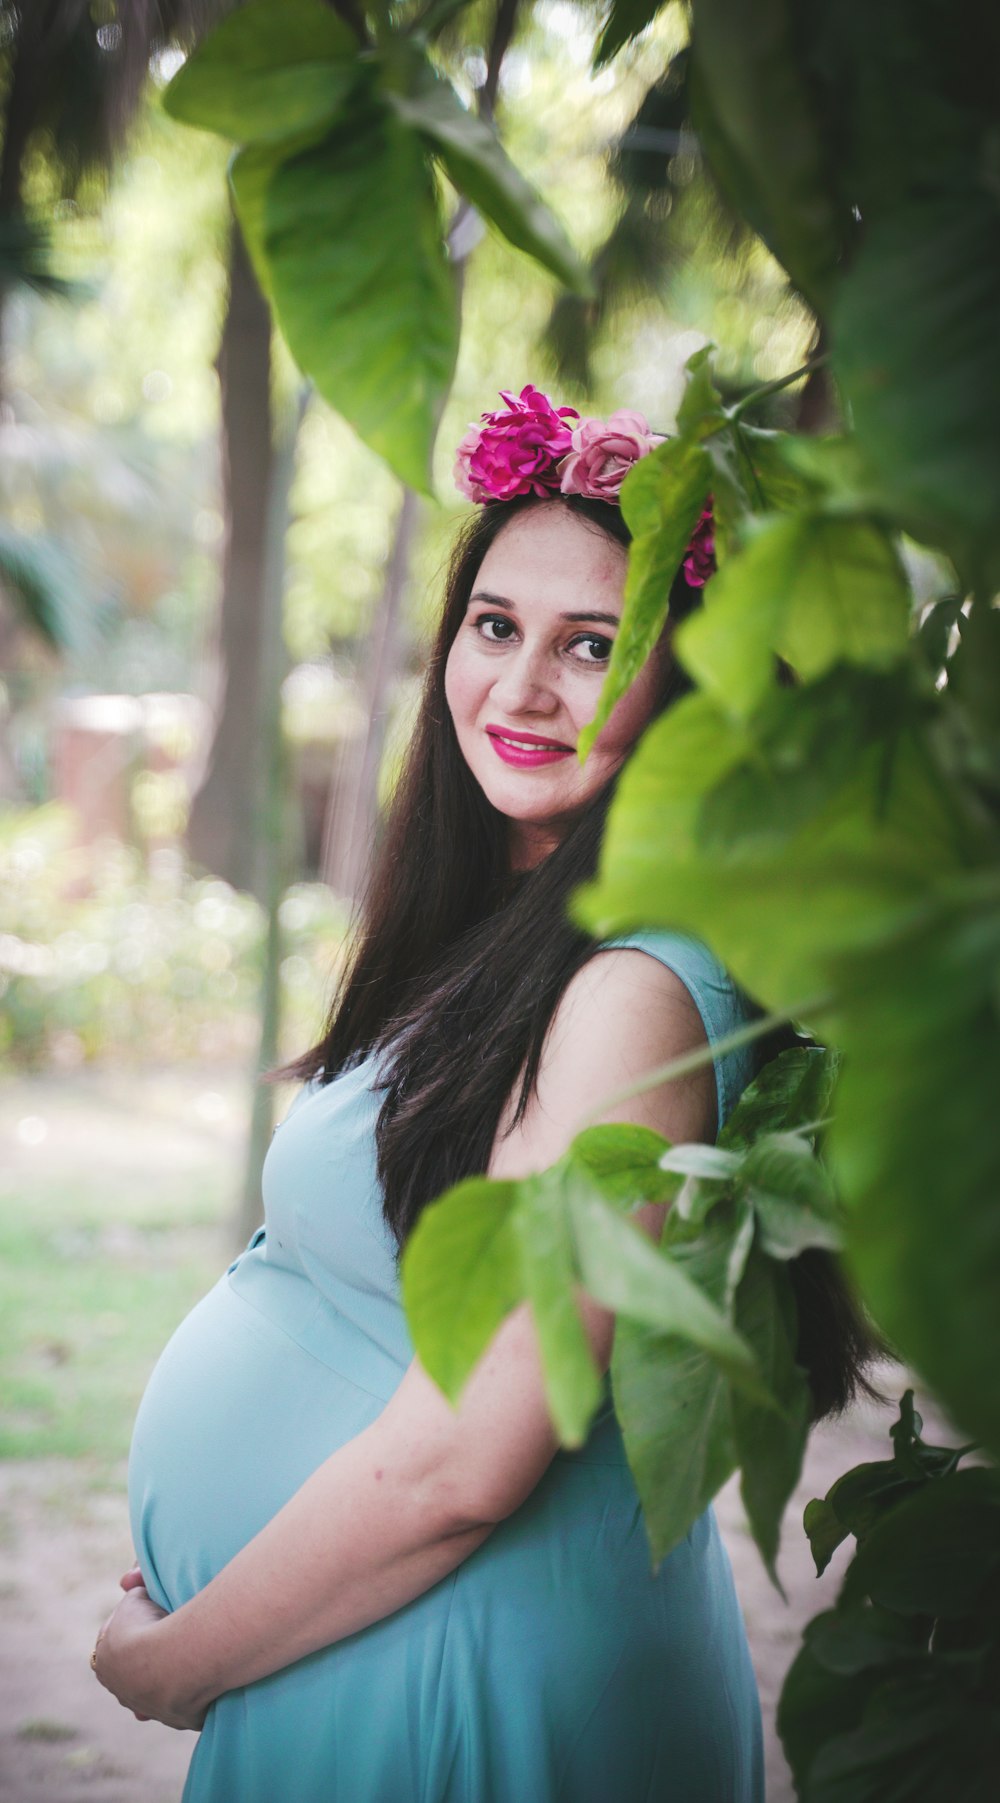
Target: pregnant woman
<point>358,1593</point>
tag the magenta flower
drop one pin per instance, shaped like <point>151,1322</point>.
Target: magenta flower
<point>515,451</point>
<point>699,564</point>
<point>603,452</point>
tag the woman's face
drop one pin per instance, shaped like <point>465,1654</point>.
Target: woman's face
<point>524,673</point>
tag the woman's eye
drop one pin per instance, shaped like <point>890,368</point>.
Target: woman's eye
<point>594,649</point>
<point>495,629</point>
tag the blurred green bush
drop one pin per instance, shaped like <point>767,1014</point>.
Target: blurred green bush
<point>107,953</point>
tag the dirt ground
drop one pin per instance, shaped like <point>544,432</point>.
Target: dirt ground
<point>63,1739</point>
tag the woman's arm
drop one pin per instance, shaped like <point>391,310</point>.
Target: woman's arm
<point>405,1502</point>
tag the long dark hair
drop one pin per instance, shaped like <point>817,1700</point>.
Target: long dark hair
<point>458,963</point>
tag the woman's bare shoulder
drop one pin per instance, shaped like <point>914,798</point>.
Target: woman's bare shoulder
<point>623,1014</point>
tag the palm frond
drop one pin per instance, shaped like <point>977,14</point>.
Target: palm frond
<point>47,590</point>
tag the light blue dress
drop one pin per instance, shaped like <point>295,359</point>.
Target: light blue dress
<point>550,1667</point>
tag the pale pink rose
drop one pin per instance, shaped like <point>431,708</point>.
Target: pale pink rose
<point>602,453</point>
<point>516,450</point>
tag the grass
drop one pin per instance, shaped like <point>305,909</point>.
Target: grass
<point>111,1229</point>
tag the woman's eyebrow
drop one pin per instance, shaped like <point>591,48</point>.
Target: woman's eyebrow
<point>590,619</point>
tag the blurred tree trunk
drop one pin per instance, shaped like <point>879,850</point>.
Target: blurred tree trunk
<point>273,830</point>
<point>221,829</point>
<point>352,805</point>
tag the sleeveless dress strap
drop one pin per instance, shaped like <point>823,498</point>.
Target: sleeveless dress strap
<point>722,1005</point>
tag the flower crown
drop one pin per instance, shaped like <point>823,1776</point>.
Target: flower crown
<point>529,447</point>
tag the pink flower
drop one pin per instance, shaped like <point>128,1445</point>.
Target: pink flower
<point>515,451</point>
<point>603,453</point>
<point>699,564</point>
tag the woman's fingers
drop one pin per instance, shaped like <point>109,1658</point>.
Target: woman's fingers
<point>132,1578</point>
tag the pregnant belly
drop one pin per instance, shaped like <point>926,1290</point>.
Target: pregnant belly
<point>236,1415</point>
<point>552,1664</point>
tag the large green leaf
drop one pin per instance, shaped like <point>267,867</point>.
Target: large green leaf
<point>917,353</point>
<point>770,1443</point>
<point>661,498</point>
<point>777,898</point>
<point>915,1156</point>
<point>269,70</point>
<point>461,1277</point>
<point>760,130</point>
<point>476,162</point>
<point>811,589</point>
<point>349,235</point>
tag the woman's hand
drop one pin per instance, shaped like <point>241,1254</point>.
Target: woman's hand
<point>125,1660</point>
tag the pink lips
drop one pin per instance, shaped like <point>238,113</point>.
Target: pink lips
<point>526,750</point>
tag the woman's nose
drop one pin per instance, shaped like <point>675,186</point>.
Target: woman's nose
<point>525,683</point>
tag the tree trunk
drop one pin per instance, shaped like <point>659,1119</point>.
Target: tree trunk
<point>221,830</point>
<point>352,808</point>
<point>272,815</point>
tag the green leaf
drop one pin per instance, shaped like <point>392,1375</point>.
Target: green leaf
<point>792,1197</point>
<point>920,1746</point>
<point>623,1268</point>
<point>916,1167</point>
<point>461,1277</point>
<point>623,1163</point>
<point>754,471</point>
<point>625,21</point>
<point>824,1530</point>
<point>934,636</point>
<point>476,162</point>
<point>759,127</point>
<point>814,1708</point>
<point>810,589</point>
<point>711,1162</point>
<point>701,413</point>
<point>40,580</point>
<point>269,70</point>
<point>789,1092</point>
<point>348,234</point>
<point>777,898</point>
<point>662,497</point>
<point>937,1553</point>
<point>918,358</point>
<point>909,1451</point>
<point>974,671</point>
<point>544,1233</point>
<point>778,477</point>
<point>770,1445</point>
<point>672,1403</point>
<point>860,1498</point>
<point>860,1639</point>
